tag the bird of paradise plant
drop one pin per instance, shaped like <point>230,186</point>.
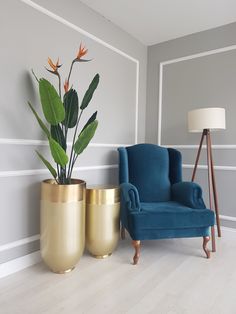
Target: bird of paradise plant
<point>62,114</point>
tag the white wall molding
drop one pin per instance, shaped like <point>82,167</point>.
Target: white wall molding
<point>23,142</point>
<point>136,104</point>
<point>203,146</point>
<point>33,172</point>
<point>204,167</point>
<point>100,41</point>
<point>78,29</point>
<point>19,263</point>
<point>181,59</point>
<point>32,142</point>
<point>20,242</point>
<point>103,145</point>
<point>160,104</point>
<point>228,218</point>
<point>200,54</point>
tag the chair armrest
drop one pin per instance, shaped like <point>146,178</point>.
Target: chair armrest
<point>130,196</point>
<point>188,194</point>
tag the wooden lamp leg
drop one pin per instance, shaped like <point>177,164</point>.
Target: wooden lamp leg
<point>198,154</point>
<point>204,245</point>
<point>211,182</point>
<point>136,244</point>
<point>210,186</point>
<point>214,190</point>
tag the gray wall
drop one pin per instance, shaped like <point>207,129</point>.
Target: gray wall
<point>206,81</point>
<point>28,36</point>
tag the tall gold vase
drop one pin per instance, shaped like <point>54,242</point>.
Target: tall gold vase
<point>62,215</point>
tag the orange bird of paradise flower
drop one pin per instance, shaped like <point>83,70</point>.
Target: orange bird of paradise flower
<point>82,52</point>
<point>54,66</point>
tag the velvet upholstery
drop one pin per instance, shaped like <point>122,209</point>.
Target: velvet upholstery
<point>152,178</point>
<point>188,193</point>
<point>175,166</point>
<point>155,202</point>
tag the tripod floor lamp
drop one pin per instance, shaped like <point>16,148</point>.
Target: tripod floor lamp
<point>206,120</point>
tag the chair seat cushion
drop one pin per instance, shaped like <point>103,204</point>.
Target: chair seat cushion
<point>170,215</point>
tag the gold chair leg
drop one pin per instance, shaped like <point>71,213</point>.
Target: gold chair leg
<point>136,244</point>
<point>204,245</point>
<point>122,232</point>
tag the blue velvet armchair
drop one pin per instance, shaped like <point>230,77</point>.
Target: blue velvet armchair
<point>155,202</point>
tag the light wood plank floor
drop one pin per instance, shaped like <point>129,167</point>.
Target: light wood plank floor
<point>173,277</point>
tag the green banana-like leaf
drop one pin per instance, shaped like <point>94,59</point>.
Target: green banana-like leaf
<point>48,165</point>
<point>52,105</point>
<point>71,104</point>
<point>40,122</point>
<point>90,120</point>
<point>85,137</point>
<point>58,153</point>
<point>89,93</point>
<point>58,136</point>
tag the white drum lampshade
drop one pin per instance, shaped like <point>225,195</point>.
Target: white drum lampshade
<point>206,118</point>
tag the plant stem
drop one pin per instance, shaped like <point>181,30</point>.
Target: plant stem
<point>72,165</point>
<point>59,83</point>
<point>71,67</point>
<point>73,142</point>
<point>71,154</point>
<point>73,162</point>
<point>59,89</point>
<point>65,131</point>
<point>62,169</point>
<point>63,174</point>
<point>58,173</point>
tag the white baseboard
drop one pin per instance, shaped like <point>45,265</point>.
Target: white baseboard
<point>11,245</point>
<point>19,263</point>
<point>228,229</point>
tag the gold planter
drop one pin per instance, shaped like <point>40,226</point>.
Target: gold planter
<point>62,234</point>
<point>102,220</point>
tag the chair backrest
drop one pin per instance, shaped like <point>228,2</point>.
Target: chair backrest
<point>147,167</point>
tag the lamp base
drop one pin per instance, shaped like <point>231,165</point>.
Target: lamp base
<point>211,181</point>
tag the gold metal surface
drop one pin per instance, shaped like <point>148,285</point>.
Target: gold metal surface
<point>102,221</point>
<point>102,195</point>
<point>64,272</point>
<point>53,192</point>
<point>62,235</point>
<point>102,256</point>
